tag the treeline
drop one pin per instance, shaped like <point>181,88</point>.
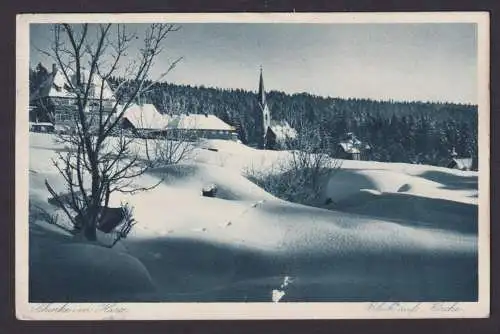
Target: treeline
<point>413,132</point>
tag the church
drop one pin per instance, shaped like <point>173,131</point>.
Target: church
<point>272,134</point>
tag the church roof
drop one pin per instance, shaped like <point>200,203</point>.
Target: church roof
<point>283,130</point>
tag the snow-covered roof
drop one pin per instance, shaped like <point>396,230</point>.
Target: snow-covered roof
<point>351,144</point>
<point>463,163</point>
<point>145,116</point>
<point>283,130</point>
<point>41,123</point>
<point>198,122</point>
<point>56,85</point>
<point>349,147</point>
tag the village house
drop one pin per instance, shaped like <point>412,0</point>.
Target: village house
<point>193,126</point>
<point>144,120</point>
<point>55,100</point>
<point>351,148</point>
<point>460,163</point>
<point>273,134</point>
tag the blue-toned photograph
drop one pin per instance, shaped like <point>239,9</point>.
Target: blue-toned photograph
<point>253,162</point>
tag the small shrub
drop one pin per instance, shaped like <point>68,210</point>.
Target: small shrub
<point>301,178</point>
<point>122,230</point>
<point>164,151</point>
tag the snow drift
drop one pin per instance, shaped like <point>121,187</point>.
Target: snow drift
<point>391,232</point>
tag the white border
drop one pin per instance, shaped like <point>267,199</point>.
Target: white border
<point>165,311</point>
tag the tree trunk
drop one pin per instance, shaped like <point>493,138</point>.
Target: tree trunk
<point>90,231</point>
<point>90,223</point>
<point>92,216</point>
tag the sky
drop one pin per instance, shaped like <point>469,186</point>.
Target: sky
<point>402,62</point>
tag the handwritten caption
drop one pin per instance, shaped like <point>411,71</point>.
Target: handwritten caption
<point>78,308</point>
<point>414,307</point>
<point>402,307</point>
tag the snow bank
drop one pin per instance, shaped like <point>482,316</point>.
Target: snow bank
<point>230,185</point>
<point>346,184</point>
<point>84,272</point>
<point>393,231</point>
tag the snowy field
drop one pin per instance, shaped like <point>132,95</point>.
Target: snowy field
<point>392,232</point>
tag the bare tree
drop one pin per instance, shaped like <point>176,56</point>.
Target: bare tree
<point>169,146</point>
<point>162,151</point>
<point>100,160</point>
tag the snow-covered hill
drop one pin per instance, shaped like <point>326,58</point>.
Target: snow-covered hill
<point>391,232</point>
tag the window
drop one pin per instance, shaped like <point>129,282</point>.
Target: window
<point>92,90</point>
<point>62,117</point>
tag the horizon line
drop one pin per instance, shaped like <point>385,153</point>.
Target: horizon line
<point>380,100</point>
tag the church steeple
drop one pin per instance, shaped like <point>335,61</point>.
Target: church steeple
<point>264,114</point>
<point>262,92</point>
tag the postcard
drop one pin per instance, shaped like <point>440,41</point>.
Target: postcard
<point>252,166</point>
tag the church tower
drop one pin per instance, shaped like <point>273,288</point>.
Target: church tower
<point>263,119</point>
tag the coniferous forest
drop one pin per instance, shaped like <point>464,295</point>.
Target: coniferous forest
<point>412,132</point>
<point>397,131</point>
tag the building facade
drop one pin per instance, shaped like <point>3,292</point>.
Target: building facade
<point>351,148</point>
<point>194,126</point>
<point>56,102</point>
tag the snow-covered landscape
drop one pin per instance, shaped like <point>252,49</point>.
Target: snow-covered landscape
<point>225,166</point>
<point>389,232</point>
